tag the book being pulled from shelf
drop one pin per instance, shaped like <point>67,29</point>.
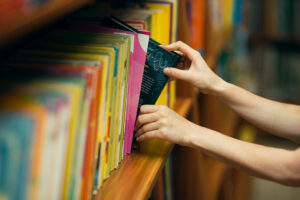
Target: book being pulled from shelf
<point>69,101</point>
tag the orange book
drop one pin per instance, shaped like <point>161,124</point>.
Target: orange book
<point>196,16</point>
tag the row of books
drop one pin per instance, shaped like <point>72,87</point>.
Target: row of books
<point>275,18</point>
<point>277,72</point>
<point>225,14</point>
<point>269,70</point>
<point>70,98</point>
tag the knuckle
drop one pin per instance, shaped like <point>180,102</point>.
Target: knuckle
<point>171,72</point>
<point>142,109</point>
<point>142,130</point>
<point>179,42</point>
<point>196,54</point>
<point>163,132</point>
<point>138,121</point>
<point>142,137</point>
<point>163,108</point>
<point>163,122</point>
<point>162,112</point>
<point>160,107</point>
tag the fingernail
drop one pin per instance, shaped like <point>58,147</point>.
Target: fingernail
<point>167,70</point>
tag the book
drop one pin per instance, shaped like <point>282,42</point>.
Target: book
<point>157,59</point>
<point>16,149</point>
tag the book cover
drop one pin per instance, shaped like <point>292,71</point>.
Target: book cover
<point>157,59</point>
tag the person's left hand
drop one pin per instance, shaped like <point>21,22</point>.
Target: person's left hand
<point>161,122</point>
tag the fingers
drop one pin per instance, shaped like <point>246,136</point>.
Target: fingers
<point>176,73</point>
<point>147,128</point>
<point>148,135</point>
<point>148,109</point>
<point>184,48</point>
<point>145,119</point>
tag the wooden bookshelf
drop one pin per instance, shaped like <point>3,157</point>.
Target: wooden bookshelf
<point>136,175</point>
<point>26,22</point>
<point>138,172</point>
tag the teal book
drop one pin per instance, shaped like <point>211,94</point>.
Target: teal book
<point>157,59</point>
<point>16,135</point>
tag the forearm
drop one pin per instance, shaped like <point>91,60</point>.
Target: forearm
<point>265,162</point>
<point>277,118</point>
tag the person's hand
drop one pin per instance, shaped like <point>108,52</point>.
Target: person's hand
<point>161,122</point>
<point>192,68</point>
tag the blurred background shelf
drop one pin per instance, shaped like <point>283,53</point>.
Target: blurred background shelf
<point>288,42</point>
<point>26,22</point>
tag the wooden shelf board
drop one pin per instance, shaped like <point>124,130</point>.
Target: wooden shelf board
<point>137,173</point>
<point>27,22</point>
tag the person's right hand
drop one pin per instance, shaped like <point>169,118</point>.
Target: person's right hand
<point>195,70</point>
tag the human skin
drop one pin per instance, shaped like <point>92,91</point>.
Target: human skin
<point>283,120</point>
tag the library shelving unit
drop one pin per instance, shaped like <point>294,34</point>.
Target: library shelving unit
<point>136,175</point>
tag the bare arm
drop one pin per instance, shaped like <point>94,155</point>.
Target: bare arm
<point>275,117</point>
<point>274,164</point>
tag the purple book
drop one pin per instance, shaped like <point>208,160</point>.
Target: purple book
<point>136,70</point>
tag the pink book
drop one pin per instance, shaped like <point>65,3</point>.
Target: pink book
<point>136,70</point>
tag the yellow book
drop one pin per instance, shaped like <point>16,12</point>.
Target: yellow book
<point>173,39</point>
<point>228,12</point>
<point>162,26</point>
<point>162,29</point>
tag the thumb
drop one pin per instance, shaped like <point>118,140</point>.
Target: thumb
<point>176,73</point>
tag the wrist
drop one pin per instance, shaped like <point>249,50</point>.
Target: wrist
<point>193,135</point>
<point>218,87</point>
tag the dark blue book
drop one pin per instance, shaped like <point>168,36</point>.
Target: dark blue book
<point>157,59</point>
